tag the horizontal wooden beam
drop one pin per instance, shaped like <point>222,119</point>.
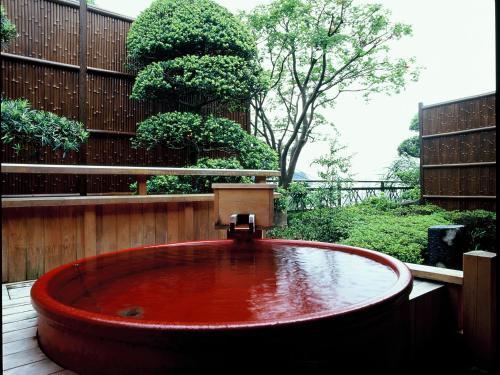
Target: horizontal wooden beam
<point>455,101</point>
<point>97,200</point>
<point>111,132</point>
<point>138,171</point>
<point>460,165</point>
<point>36,60</point>
<point>458,132</point>
<point>444,275</point>
<point>460,196</point>
<point>56,64</point>
<point>103,200</point>
<point>95,9</point>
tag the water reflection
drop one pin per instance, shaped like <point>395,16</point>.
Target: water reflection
<point>225,284</point>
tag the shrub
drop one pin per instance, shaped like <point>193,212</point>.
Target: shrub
<point>172,28</point>
<point>228,79</point>
<point>404,238</point>
<point>7,29</point>
<point>480,228</point>
<point>184,129</point>
<point>22,125</point>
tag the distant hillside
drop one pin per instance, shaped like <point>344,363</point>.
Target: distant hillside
<point>299,175</point>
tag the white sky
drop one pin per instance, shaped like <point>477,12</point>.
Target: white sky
<point>454,40</point>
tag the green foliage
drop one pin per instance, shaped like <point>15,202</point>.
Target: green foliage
<point>382,225</point>
<point>194,184</point>
<point>173,28</point>
<point>405,169</point>
<point>227,79</point>
<point>7,28</point>
<point>403,237</point>
<point>410,147</point>
<point>480,228</point>
<point>377,223</point>
<point>183,129</point>
<point>22,125</point>
<point>335,171</point>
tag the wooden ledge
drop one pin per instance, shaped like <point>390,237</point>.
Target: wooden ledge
<point>105,200</point>
<point>140,171</point>
<point>444,275</point>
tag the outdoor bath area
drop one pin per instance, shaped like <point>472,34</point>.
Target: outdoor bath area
<point>202,186</point>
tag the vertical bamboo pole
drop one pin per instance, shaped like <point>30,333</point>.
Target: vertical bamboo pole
<point>479,304</point>
<point>82,91</point>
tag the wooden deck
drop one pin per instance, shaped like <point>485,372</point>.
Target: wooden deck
<point>21,354</point>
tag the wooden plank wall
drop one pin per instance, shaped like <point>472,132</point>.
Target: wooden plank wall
<point>49,34</point>
<point>458,158</point>
<point>38,239</point>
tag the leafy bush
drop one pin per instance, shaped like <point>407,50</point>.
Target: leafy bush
<point>184,129</point>
<point>480,228</point>
<point>404,238</point>
<point>224,78</point>
<point>7,28</point>
<point>194,184</point>
<point>22,125</point>
<point>172,28</point>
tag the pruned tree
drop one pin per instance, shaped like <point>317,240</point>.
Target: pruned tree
<point>191,54</point>
<point>313,51</point>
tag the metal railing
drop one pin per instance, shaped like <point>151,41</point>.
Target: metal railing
<point>322,193</point>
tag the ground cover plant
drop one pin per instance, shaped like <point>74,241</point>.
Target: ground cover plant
<point>192,54</point>
<point>388,227</point>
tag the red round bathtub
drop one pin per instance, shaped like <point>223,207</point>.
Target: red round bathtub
<point>226,306</point>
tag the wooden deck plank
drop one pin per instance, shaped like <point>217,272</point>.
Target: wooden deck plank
<point>8,310</point>
<point>25,357</point>
<point>19,345</point>
<point>17,302</point>
<point>16,326</point>
<point>19,316</point>
<point>19,335</point>
<point>42,367</point>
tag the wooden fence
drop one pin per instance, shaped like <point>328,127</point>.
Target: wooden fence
<point>70,60</point>
<point>458,158</point>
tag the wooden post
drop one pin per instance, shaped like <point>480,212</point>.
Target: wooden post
<point>141,185</point>
<point>260,179</point>
<point>479,304</point>
<point>420,133</point>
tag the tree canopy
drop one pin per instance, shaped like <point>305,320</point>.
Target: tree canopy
<point>313,51</point>
<point>173,28</point>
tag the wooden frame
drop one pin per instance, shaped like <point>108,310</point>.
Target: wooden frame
<point>255,199</point>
